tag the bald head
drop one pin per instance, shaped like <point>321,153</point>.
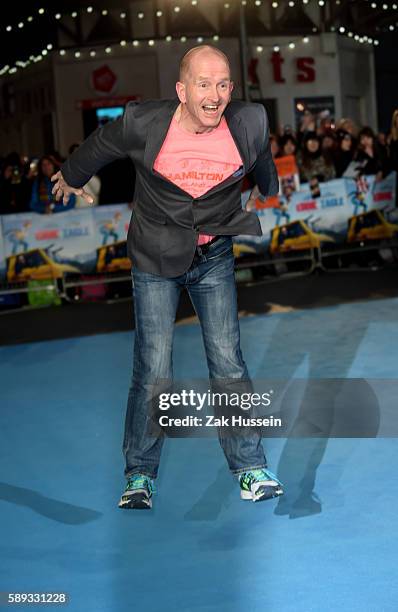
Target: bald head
<point>203,52</point>
<point>204,88</point>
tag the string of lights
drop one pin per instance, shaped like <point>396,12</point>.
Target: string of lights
<point>385,6</point>
<point>78,53</point>
<point>375,4</point>
<point>291,44</point>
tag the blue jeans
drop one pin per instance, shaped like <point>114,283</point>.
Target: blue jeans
<point>210,282</point>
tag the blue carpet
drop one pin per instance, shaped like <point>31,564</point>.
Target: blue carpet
<point>333,545</point>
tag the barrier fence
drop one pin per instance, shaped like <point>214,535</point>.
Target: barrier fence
<point>315,227</point>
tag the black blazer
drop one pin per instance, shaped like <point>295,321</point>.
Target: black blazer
<point>166,220</point>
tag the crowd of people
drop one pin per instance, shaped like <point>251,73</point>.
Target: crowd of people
<point>326,150</point>
<point>323,150</point>
<point>25,184</point>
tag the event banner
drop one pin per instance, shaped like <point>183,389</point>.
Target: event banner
<point>338,211</point>
<point>42,246</point>
<point>111,224</point>
<point>349,211</point>
<point>77,241</point>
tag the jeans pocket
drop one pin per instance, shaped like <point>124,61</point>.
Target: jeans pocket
<point>220,251</point>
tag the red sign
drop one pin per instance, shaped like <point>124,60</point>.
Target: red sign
<point>103,79</point>
<point>48,234</point>
<point>306,73</point>
<point>305,68</point>
<point>382,196</point>
<point>310,205</point>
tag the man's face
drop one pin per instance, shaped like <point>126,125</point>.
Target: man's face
<point>205,92</point>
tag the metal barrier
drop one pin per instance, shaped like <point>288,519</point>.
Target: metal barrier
<point>279,264</point>
<point>22,287</point>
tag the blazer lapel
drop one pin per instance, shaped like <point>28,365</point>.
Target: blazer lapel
<point>157,133</point>
<point>239,134</point>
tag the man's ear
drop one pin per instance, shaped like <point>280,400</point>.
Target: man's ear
<point>180,89</point>
<point>231,86</point>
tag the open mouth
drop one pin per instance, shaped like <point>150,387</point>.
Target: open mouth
<point>210,109</point>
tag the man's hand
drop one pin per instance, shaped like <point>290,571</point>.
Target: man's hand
<point>62,190</point>
<point>251,202</point>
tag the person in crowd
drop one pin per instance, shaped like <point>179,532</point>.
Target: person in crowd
<point>344,152</point>
<point>328,143</point>
<point>349,126</point>
<point>393,142</point>
<point>15,188</point>
<point>371,155</point>
<point>287,145</point>
<point>382,139</point>
<point>325,124</point>
<point>93,187</point>
<point>56,157</point>
<point>312,162</point>
<point>191,154</point>
<point>307,124</point>
<point>42,200</point>
<point>274,144</point>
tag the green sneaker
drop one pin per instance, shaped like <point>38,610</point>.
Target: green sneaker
<point>138,493</point>
<point>259,485</point>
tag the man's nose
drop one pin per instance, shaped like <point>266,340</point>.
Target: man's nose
<point>214,94</point>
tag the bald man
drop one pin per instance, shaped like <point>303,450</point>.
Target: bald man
<point>191,155</point>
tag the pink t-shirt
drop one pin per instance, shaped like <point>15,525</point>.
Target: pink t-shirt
<point>198,162</point>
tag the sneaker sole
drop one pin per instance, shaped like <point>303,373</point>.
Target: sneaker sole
<point>263,493</point>
<point>136,502</point>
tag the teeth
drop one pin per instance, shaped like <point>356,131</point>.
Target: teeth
<point>207,106</point>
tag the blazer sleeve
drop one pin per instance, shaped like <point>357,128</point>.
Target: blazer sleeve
<point>265,173</point>
<point>103,146</point>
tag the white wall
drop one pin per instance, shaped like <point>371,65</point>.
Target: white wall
<point>356,68</point>
<point>137,75</point>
